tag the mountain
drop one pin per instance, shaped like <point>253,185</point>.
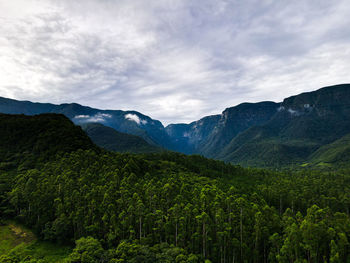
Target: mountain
<point>302,124</point>
<point>113,140</point>
<point>205,136</point>
<point>106,202</point>
<point>187,137</point>
<point>210,134</point>
<point>130,122</point>
<point>265,134</point>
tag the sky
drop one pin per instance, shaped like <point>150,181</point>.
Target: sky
<point>173,60</point>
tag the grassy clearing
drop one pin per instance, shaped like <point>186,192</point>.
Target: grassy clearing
<point>12,235</point>
<point>20,243</point>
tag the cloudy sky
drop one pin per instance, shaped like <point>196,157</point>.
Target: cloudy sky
<point>174,60</point>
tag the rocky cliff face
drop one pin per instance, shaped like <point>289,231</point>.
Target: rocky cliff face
<point>188,137</point>
<point>208,135</point>
<point>302,124</point>
<point>235,120</point>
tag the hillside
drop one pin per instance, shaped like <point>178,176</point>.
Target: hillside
<point>264,134</point>
<point>110,139</point>
<point>162,207</point>
<point>27,138</point>
<point>234,121</point>
<point>188,137</point>
<point>30,141</point>
<point>335,153</point>
<point>302,124</point>
<point>131,122</point>
<point>19,243</point>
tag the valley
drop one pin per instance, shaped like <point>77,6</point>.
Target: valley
<point>265,134</point>
<point>65,199</point>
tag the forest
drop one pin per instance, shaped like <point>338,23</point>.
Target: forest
<point>165,206</point>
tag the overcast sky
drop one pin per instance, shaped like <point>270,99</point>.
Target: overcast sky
<point>175,61</point>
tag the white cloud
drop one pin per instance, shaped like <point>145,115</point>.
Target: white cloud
<point>82,116</point>
<point>176,61</point>
<point>135,118</point>
<point>98,117</point>
<point>294,112</point>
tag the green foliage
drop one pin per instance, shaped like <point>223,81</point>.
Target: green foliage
<point>30,141</point>
<point>302,130</point>
<point>37,137</point>
<point>333,154</point>
<point>168,207</point>
<point>87,250</point>
<point>214,211</point>
<point>110,139</point>
<point>18,244</point>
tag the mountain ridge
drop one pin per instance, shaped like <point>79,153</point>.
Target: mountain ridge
<point>258,134</point>
<point>131,122</point>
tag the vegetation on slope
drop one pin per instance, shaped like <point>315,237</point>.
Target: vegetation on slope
<point>110,139</point>
<point>336,153</point>
<point>18,244</point>
<point>131,122</point>
<point>40,136</point>
<point>168,207</point>
<point>302,124</point>
<point>264,134</point>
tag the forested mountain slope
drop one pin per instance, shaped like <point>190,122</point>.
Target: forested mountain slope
<point>169,207</point>
<point>335,153</point>
<point>210,134</point>
<point>131,122</point>
<point>110,139</point>
<point>235,120</point>
<point>265,134</point>
<point>302,124</point>
<point>30,141</point>
<point>26,138</point>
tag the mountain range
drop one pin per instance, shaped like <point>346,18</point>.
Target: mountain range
<point>306,129</point>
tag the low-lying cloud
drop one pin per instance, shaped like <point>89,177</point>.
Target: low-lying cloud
<point>99,117</point>
<point>135,118</point>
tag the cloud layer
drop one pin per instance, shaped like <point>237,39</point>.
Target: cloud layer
<point>175,61</point>
<point>98,117</point>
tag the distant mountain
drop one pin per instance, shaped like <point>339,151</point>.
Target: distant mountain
<point>113,140</point>
<point>252,134</point>
<point>302,124</point>
<point>188,137</point>
<point>130,122</point>
<point>270,134</point>
<point>234,121</point>
<point>210,134</point>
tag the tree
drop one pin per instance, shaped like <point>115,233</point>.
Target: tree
<point>87,250</point>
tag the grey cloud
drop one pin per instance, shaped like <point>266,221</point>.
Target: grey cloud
<point>173,60</point>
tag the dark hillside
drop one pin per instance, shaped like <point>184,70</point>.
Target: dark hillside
<point>110,139</point>
<point>38,137</point>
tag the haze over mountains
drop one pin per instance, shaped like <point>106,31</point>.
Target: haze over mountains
<point>301,129</point>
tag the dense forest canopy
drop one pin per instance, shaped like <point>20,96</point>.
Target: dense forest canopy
<point>165,207</point>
